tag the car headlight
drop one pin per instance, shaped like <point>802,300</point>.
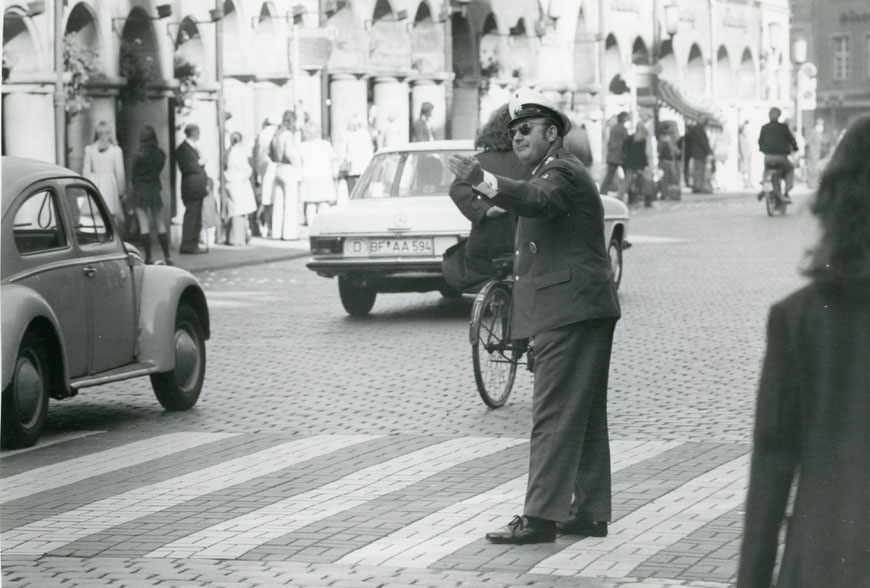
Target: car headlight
<point>326,245</point>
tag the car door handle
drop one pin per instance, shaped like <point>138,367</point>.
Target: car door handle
<point>89,271</point>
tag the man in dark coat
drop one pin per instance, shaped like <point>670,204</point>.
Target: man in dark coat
<point>615,151</point>
<point>777,143</point>
<point>422,129</point>
<point>194,188</point>
<point>565,297</point>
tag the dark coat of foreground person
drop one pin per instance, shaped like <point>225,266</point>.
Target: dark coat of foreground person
<point>813,413</point>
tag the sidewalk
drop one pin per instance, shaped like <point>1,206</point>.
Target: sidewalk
<point>259,250</point>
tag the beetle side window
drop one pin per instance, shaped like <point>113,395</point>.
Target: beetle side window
<point>36,226</point>
<point>91,219</point>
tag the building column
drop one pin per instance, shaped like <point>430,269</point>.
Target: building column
<point>435,92</point>
<point>309,93</point>
<point>348,95</point>
<point>271,99</point>
<point>466,106</point>
<point>28,121</point>
<point>391,100</point>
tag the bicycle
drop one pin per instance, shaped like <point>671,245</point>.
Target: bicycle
<point>771,191</point>
<point>494,354</point>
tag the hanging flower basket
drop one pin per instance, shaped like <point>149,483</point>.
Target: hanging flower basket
<point>188,76</point>
<point>137,69</point>
<point>80,62</point>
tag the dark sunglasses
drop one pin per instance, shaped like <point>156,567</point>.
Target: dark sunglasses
<point>525,128</point>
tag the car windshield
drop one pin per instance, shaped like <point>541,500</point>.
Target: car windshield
<point>408,173</point>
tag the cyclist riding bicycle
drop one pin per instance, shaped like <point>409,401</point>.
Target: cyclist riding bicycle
<point>777,143</point>
<point>470,262</point>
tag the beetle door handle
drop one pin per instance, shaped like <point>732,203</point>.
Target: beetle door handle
<point>89,271</point>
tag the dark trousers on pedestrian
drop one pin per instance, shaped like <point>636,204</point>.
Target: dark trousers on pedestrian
<point>608,177</point>
<point>569,454</point>
<point>192,225</point>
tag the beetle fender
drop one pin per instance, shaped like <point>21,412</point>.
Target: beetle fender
<point>22,309</point>
<point>163,288</point>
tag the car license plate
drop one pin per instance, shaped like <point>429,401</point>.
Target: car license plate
<point>400,246</point>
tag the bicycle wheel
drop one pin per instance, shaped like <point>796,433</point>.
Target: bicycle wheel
<point>492,353</point>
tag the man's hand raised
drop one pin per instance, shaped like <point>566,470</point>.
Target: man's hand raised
<point>465,168</point>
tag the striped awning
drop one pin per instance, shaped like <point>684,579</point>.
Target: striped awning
<point>670,96</point>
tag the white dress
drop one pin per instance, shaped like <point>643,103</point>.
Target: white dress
<point>106,170</point>
<point>239,189</point>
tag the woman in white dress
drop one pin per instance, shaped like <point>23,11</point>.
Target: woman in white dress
<point>240,192</point>
<point>104,166</point>
<point>319,171</point>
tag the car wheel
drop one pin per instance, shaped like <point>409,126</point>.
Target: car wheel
<point>356,300</point>
<point>25,399</point>
<point>614,252</point>
<point>179,388</point>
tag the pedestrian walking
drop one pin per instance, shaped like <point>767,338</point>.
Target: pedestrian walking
<point>744,154</point>
<point>615,151</point>
<point>492,228</point>
<point>668,154</point>
<point>240,193</point>
<point>194,188</point>
<point>356,153</point>
<point>565,297</point>
<point>698,152</point>
<point>423,125</point>
<point>319,172</point>
<point>264,168</point>
<point>145,193</point>
<point>285,190</point>
<point>104,166</point>
<point>636,165</point>
<point>390,134</point>
<point>814,400</point>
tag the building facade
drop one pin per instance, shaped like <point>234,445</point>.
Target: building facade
<point>170,63</point>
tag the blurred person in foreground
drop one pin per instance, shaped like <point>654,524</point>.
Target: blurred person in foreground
<point>469,262</point>
<point>814,400</point>
<point>565,297</point>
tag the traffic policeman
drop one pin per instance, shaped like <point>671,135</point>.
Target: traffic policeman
<point>565,297</point>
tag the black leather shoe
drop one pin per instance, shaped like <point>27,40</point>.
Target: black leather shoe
<point>523,530</point>
<point>574,526</point>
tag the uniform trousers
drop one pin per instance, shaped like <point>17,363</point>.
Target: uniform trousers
<point>569,454</point>
<point>191,225</point>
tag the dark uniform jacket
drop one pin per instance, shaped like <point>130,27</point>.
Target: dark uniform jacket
<point>470,262</point>
<point>813,418</point>
<point>194,181</point>
<point>562,272</point>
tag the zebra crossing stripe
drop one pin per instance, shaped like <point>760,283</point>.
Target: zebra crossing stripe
<point>49,439</point>
<point>424,542</point>
<point>51,533</point>
<point>235,537</point>
<point>655,526</point>
<point>88,466</point>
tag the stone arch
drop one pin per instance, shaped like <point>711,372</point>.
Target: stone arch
<point>583,54</point>
<point>21,51</point>
<point>28,126</point>
<point>520,48</point>
<point>466,58</point>
<point>747,80</point>
<point>235,38</point>
<point>427,38</point>
<point>189,47</point>
<point>270,58</point>
<point>81,23</point>
<point>640,53</point>
<point>491,60</point>
<point>612,74</point>
<point>695,80</point>
<point>389,44</point>
<point>668,62</point>
<point>725,82</point>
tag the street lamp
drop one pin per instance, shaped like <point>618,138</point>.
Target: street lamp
<point>672,19</point>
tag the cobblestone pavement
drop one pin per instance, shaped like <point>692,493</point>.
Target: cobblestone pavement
<point>336,451</point>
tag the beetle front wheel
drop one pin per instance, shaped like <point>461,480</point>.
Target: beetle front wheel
<point>25,399</point>
<point>179,388</point>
